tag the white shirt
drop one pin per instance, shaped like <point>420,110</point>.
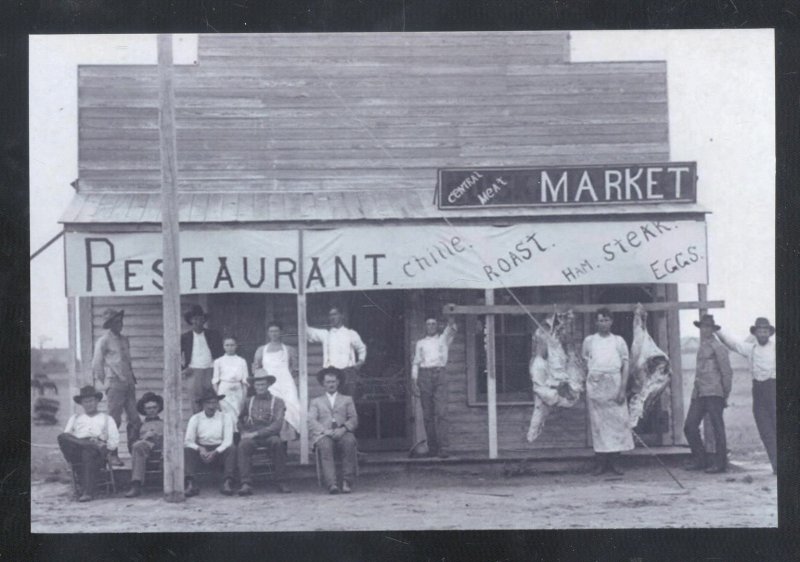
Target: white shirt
<point>605,354</point>
<point>230,368</point>
<point>332,398</point>
<point>341,347</point>
<point>432,351</point>
<point>100,426</point>
<point>760,357</point>
<point>201,354</point>
<point>216,430</point>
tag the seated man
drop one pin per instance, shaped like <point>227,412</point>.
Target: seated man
<point>209,440</point>
<point>88,438</point>
<point>260,424</point>
<point>151,439</point>
<point>332,419</point>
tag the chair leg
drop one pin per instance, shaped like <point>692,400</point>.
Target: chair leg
<point>319,466</point>
<point>111,477</point>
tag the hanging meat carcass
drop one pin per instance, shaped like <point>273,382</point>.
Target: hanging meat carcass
<point>650,369</point>
<point>556,370</point>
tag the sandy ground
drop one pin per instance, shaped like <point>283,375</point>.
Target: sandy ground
<point>646,497</point>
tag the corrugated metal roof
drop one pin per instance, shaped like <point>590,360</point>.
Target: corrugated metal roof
<point>318,206</point>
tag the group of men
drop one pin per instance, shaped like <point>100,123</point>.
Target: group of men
<point>607,359</point>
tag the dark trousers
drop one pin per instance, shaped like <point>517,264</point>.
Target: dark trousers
<point>200,381</point>
<point>699,407</point>
<point>122,398</point>
<point>329,448</point>
<point>351,381</point>
<point>765,413</point>
<point>433,396</point>
<point>139,454</point>
<point>90,456</point>
<point>194,464</point>
<point>277,453</point>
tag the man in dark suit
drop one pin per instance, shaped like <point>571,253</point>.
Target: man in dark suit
<point>199,348</point>
<point>332,421</point>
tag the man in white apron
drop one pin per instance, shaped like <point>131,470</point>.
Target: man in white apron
<point>606,356</point>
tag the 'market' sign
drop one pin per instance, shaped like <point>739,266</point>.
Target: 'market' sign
<point>673,182</point>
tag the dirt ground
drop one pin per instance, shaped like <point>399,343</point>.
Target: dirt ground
<point>646,497</point>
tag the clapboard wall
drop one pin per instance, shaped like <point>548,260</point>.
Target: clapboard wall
<point>368,111</point>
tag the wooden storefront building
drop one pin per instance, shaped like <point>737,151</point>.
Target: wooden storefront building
<point>287,141</point>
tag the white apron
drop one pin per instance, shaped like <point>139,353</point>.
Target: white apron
<point>609,420</point>
<point>276,363</point>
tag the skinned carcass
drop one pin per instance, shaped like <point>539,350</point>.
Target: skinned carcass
<point>650,369</point>
<point>556,370</point>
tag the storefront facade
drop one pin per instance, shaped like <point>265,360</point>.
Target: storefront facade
<point>315,167</point>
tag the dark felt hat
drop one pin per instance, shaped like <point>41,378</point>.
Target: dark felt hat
<point>209,394</point>
<point>88,392</point>
<point>110,314</point>
<point>149,397</point>
<point>261,374</point>
<point>330,371</point>
<point>762,322</point>
<point>196,310</point>
<point>707,320</point>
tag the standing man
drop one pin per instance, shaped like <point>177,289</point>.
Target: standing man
<point>342,348</point>
<point>429,382</point>
<point>712,385</point>
<point>761,357</point>
<point>606,356</point>
<point>150,440</point>
<point>209,440</point>
<point>111,365</point>
<point>199,348</point>
<point>87,439</point>
<point>332,421</point>
<point>260,425</point>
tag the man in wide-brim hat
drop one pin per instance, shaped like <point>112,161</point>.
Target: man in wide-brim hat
<point>712,386</point>
<point>87,438</point>
<point>111,366</point>
<point>209,439</point>
<point>150,440</point>
<point>332,419</point>
<point>760,354</point>
<point>199,348</point>
<point>260,424</point>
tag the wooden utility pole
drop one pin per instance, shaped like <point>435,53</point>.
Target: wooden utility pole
<point>173,425</point>
<point>709,438</point>
<point>491,376</point>
<point>302,352</point>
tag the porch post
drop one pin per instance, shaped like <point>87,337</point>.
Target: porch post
<point>72,353</point>
<point>491,379</point>
<point>302,352</point>
<point>675,359</point>
<point>708,433</point>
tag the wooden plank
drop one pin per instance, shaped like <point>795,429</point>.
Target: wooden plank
<point>675,359</point>
<point>173,425</point>
<point>491,378</point>
<point>588,308</point>
<point>302,351</point>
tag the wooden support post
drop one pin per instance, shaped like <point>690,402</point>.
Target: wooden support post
<point>72,352</point>
<point>491,377</point>
<point>708,433</point>
<point>675,359</point>
<point>173,425</point>
<point>302,352</point>
<point>86,337</point>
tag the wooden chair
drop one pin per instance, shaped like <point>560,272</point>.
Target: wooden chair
<point>154,470</point>
<point>337,459</point>
<point>262,466</point>
<point>105,480</point>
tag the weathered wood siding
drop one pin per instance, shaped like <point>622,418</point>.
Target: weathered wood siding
<point>368,111</point>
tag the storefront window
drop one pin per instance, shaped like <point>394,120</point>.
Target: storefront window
<point>513,349</point>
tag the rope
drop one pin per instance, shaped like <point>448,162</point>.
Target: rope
<point>47,244</point>
<point>649,450</point>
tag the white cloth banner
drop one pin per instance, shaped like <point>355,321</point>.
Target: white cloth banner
<point>225,261</point>
<point>393,257</point>
<point>478,257</point>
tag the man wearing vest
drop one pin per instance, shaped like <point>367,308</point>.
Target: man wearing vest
<point>199,348</point>
<point>342,348</point>
<point>712,386</point>
<point>760,355</point>
<point>260,425</point>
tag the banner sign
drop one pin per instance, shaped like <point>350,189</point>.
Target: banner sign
<point>394,257</point>
<point>673,182</point>
<point>227,261</point>
<point>480,257</point>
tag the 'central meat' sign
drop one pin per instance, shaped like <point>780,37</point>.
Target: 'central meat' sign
<point>673,182</point>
